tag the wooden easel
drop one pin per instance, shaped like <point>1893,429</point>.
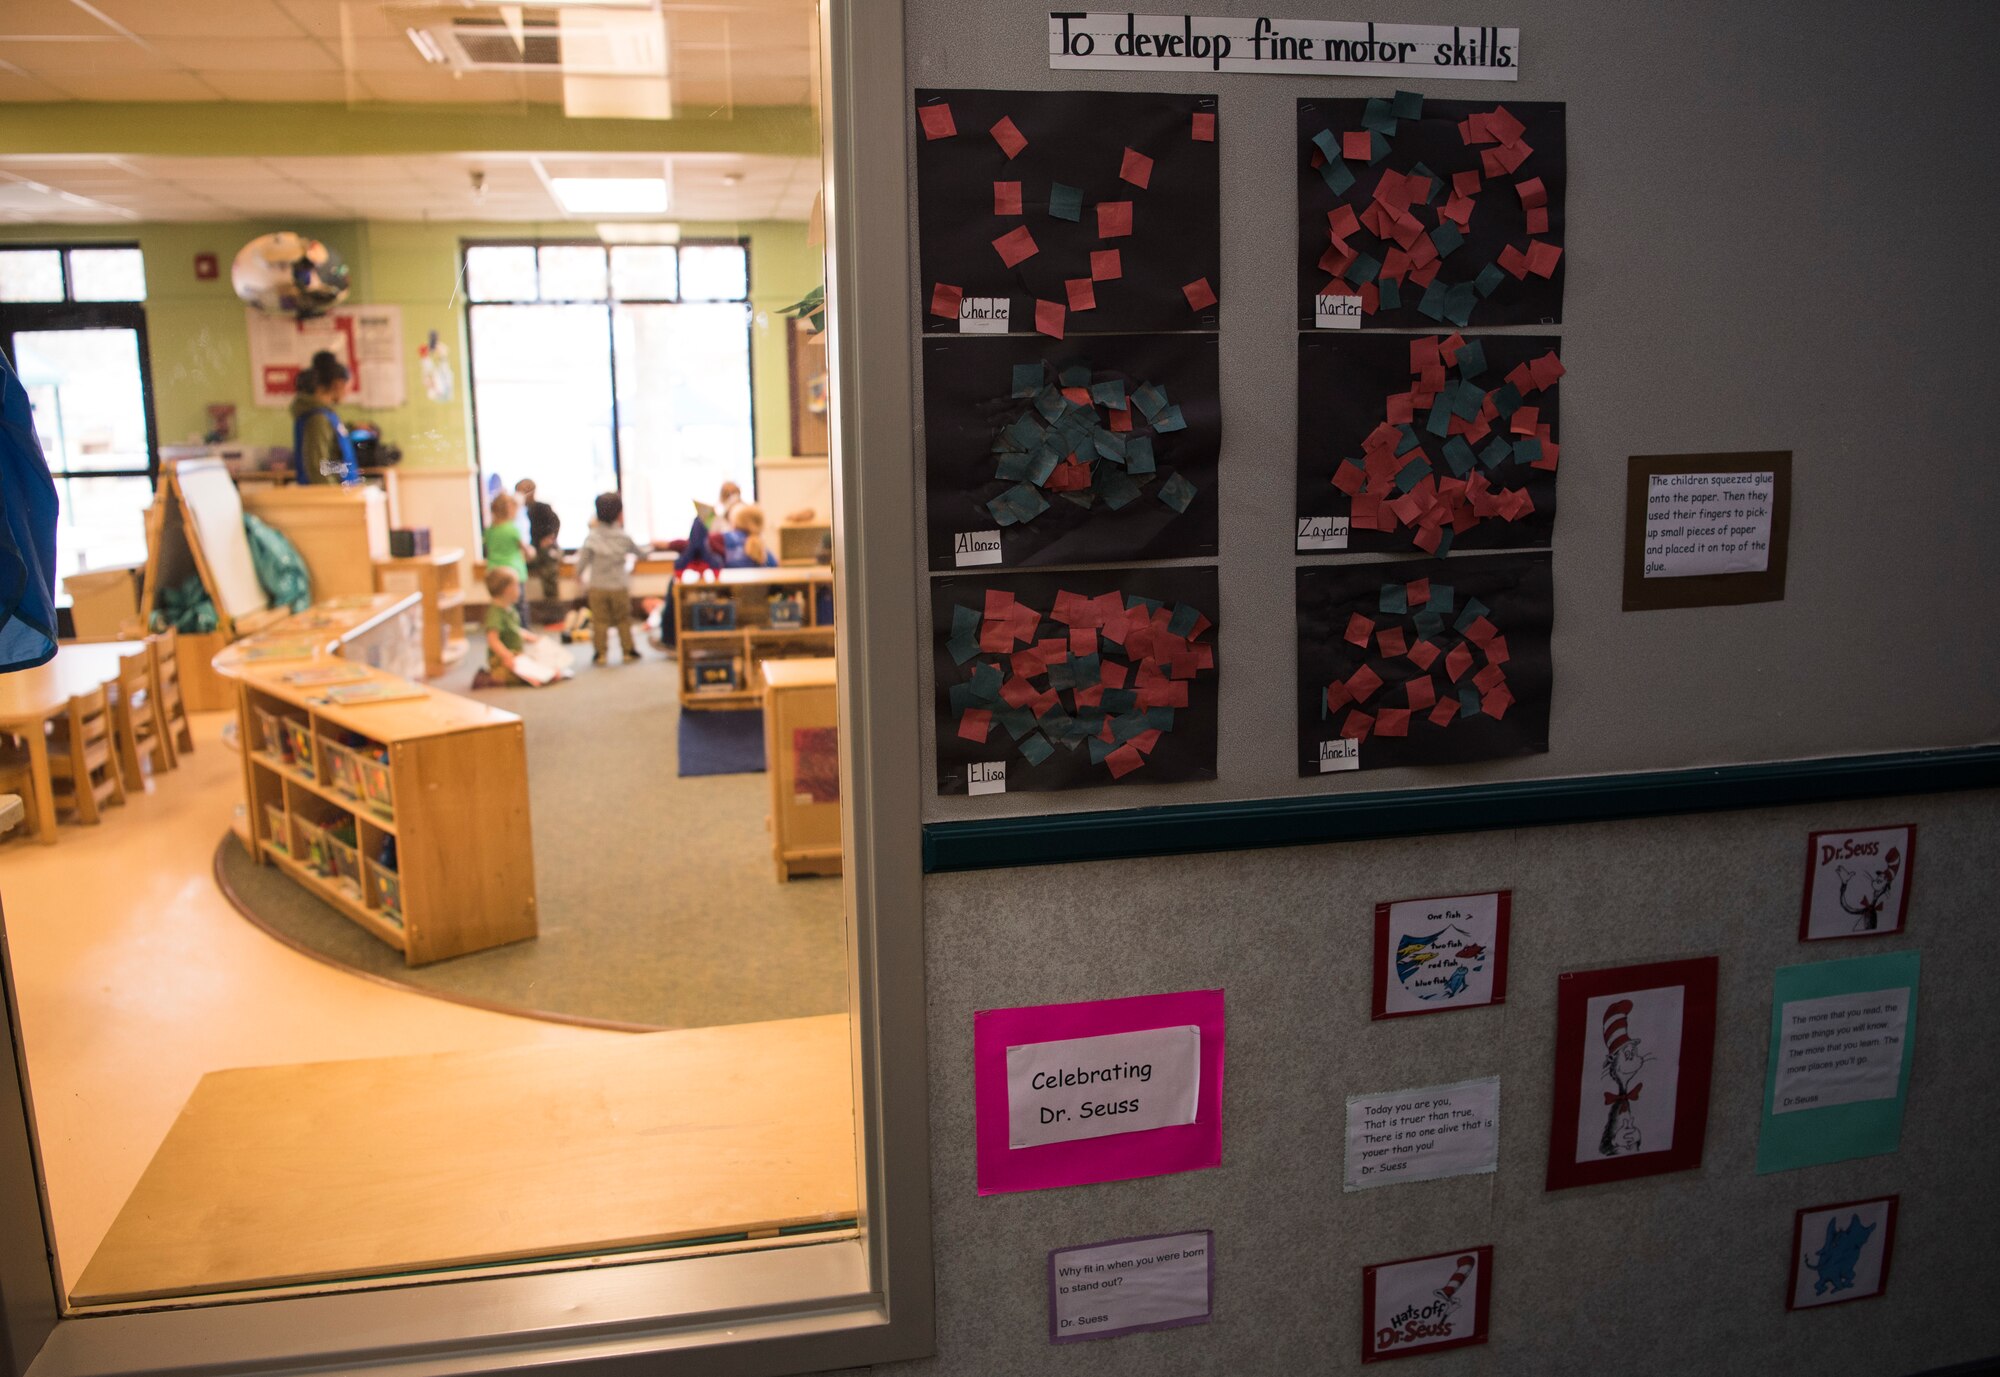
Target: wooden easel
<point>174,549</point>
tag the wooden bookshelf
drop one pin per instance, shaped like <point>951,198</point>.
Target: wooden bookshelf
<point>802,761</point>
<point>730,626</point>
<point>409,816</point>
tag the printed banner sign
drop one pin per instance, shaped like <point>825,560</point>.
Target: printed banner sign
<point>1099,1290</point>
<point>1111,40</point>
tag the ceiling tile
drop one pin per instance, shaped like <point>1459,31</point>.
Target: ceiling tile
<point>309,86</point>
<point>17,87</point>
<point>133,86</point>
<point>380,55</point>
<point>46,18</point>
<point>200,18</point>
<point>268,55</point>
<point>80,55</point>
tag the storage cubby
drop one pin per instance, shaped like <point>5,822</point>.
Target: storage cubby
<point>728,627</point>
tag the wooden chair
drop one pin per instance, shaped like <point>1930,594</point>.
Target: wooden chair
<point>163,651</point>
<point>141,722</point>
<point>16,777</point>
<point>83,758</point>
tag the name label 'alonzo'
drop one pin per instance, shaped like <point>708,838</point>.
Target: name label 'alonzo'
<point>984,315</point>
<point>1337,312</point>
<point>1323,532</point>
<point>975,547</point>
<point>986,777</point>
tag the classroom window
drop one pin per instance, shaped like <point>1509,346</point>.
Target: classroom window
<point>623,367</point>
<point>115,273</point>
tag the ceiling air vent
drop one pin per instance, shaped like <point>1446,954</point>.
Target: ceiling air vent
<point>486,45</point>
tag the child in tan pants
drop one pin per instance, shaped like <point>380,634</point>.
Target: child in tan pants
<point>604,568</point>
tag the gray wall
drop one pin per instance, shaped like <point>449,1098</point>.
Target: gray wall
<point>1778,229</point>
<point>1778,225</point>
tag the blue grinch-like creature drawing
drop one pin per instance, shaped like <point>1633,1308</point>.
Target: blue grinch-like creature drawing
<point>1622,1060</point>
<point>1839,1254</point>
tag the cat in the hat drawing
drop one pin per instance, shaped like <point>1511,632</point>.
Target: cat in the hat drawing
<point>1447,1294</point>
<point>1862,892</point>
<point>1622,1061</point>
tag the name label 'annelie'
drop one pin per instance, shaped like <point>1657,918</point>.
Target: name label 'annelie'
<point>1108,40</point>
<point>1341,753</point>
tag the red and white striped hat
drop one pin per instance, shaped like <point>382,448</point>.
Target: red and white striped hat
<point>1458,1277</point>
<point>1614,1024</point>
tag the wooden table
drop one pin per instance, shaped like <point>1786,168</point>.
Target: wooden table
<point>29,698</point>
<point>275,1175</point>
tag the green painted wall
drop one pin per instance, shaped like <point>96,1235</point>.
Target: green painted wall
<point>201,353</point>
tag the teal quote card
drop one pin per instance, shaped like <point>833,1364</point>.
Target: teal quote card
<point>1841,1034</point>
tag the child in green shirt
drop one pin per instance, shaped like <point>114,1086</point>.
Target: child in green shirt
<point>504,547</point>
<point>505,640</point>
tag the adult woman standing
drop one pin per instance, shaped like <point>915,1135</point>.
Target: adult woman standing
<point>322,450</point>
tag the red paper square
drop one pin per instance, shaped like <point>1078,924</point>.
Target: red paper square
<point>1391,641</point>
<point>1421,692</point>
<point>1114,219</point>
<point>1543,257</point>
<point>1459,661</point>
<point>1121,417</point>
<point>1362,684</point>
<point>1204,127</point>
<point>1049,318</point>
<point>937,121</point>
<point>1465,183</point>
<point>1417,591</point>
<point>1008,137</point>
<point>1104,265</point>
<point>1538,220</point>
<point>1136,168</point>
<point>945,300</point>
<point>1016,245</point>
<point>1424,654</point>
<point>1354,145</point>
<point>1006,198</point>
<point>1359,629</point>
<point>1199,294</point>
<point>1356,726</point>
<point>1446,709</point>
<point>1082,294</point>
<point>974,725</point>
<point>1392,722</point>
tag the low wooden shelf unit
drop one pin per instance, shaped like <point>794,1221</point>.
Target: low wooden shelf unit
<point>730,626</point>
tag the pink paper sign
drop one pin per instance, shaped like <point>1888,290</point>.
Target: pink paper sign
<point>1159,1065</point>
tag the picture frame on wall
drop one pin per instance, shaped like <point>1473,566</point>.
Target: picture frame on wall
<point>1841,1252</point>
<point>1858,882</point>
<point>1426,1304</point>
<point>1635,1046</point>
<point>1437,954</point>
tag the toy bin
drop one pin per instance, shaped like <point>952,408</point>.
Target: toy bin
<point>346,864</point>
<point>343,768</point>
<point>378,787</point>
<point>311,850</point>
<point>296,741</point>
<point>274,826</point>
<point>269,743</point>
<point>388,891</point>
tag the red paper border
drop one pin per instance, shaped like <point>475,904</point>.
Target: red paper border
<point>1115,1157</point>
<point>1902,906</point>
<point>1482,1310</point>
<point>1574,990</point>
<point>1798,1241</point>
<point>1379,981</point>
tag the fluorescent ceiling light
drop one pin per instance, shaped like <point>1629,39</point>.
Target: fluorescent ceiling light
<point>639,232</point>
<point>426,46</point>
<point>610,195</point>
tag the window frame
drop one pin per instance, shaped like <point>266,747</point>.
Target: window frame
<point>807,1308</point>
<point>62,249</point>
<point>610,301</point>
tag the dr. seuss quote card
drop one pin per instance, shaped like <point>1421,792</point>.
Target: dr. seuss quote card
<point>1842,1033</point>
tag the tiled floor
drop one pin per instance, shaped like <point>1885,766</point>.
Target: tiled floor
<point>135,977</point>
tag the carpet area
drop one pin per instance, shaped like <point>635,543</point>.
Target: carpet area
<point>660,905</point>
<point>721,743</point>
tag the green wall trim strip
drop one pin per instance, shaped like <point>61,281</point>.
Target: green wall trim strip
<point>272,129</point>
<point>1061,838</point>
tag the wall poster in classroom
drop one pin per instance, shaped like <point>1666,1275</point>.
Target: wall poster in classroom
<point>1420,213</point>
<point>1706,530</point>
<point>1424,1304</point>
<point>1842,1037</point>
<point>1086,451</point>
<point>1445,953</point>
<point>1059,212</point>
<point>1130,1286</point>
<point>1858,883</point>
<point>1101,1090</point>
<point>1413,443</point>
<point>368,339</point>
<point>1396,1137</point>
<point>1424,662</point>
<point>1634,1048</point>
<point>1074,680</point>
<point>1841,1252</point>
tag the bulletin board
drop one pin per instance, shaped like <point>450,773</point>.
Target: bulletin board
<point>1684,328</point>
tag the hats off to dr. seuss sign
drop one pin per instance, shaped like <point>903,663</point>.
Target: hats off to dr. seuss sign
<point>1615,1036</point>
<point>1464,1269</point>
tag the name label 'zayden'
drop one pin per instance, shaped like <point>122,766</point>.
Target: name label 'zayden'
<point>1323,532</point>
<point>1058,1092</point>
<point>984,315</point>
<point>976,547</point>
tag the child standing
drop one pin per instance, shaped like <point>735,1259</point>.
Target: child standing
<point>544,528</point>
<point>503,545</point>
<point>604,568</point>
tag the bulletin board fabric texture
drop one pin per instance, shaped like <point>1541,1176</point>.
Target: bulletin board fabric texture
<point>1596,1279</point>
<point>1709,303</point>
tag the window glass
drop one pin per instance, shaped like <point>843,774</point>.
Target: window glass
<point>31,275</point>
<point>500,272</point>
<point>541,391</point>
<point>715,272</point>
<point>644,272</point>
<point>89,403</point>
<point>683,411</point>
<point>102,522</point>
<point>572,272</point>
<point>107,275</point>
